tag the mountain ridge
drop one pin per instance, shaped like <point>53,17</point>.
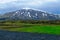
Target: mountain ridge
<point>30,14</point>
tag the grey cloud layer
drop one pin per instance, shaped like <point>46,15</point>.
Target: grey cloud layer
<point>39,4</point>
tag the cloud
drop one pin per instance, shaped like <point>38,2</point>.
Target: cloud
<point>6,1</point>
<point>52,0</point>
<point>26,1</point>
<point>9,4</point>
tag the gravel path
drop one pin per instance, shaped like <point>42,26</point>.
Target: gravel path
<point>6,35</point>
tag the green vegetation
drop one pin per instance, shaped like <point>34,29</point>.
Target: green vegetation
<point>32,26</point>
<point>51,29</point>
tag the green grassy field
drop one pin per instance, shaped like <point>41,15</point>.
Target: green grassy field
<point>35,28</point>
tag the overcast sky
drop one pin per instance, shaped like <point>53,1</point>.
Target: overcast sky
<point>52,6</point>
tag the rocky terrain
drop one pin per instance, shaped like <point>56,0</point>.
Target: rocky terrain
<point>29,14</point>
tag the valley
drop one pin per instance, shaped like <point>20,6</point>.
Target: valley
<point>30,20</point>
<point>23,26</point>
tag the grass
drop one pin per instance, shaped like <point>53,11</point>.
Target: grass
<point>40,29</point>
<point>35,28</point>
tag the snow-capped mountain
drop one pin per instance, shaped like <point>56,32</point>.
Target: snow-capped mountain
<point>30,14</point>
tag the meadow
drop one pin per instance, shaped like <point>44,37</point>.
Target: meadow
<point>27,27</point>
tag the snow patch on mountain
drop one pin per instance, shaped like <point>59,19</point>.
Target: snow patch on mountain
<point>31,14</point>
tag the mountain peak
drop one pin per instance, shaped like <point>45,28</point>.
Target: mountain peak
<point>26,8</point>
<point>33,9</point>
<point>31,14</point>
